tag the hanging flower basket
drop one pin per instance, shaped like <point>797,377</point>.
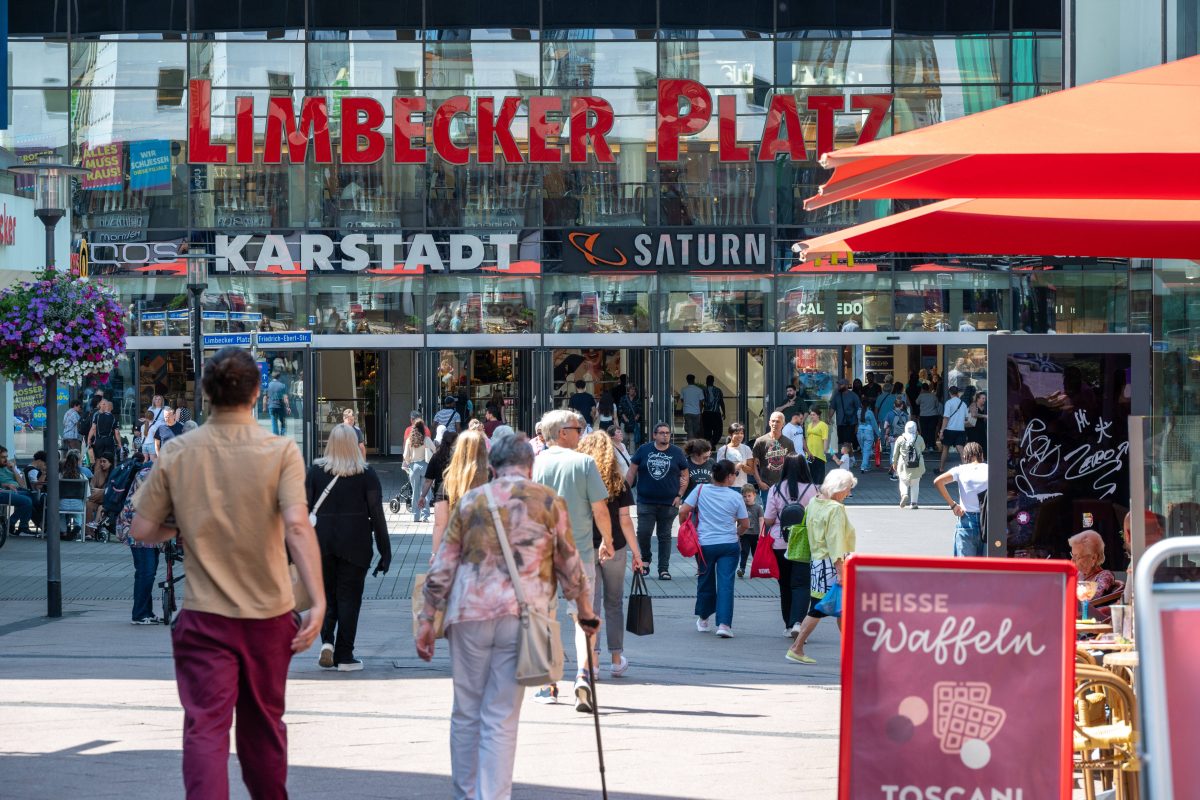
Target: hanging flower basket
<point>60,325</point>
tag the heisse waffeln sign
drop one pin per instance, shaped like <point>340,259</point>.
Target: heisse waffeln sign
<point>684,108</point>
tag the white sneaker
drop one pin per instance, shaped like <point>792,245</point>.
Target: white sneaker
<point>724,632</point>
<point>353,665</point>
<point>703,625</point>
<point>794,631</point>
<point>619,669</point>
<point>326,659</point>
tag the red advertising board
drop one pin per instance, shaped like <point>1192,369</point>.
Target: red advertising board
<point>1180,655</point>
<point>956,679</point>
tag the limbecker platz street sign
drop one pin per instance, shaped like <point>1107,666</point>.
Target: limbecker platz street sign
<point>684,108</point>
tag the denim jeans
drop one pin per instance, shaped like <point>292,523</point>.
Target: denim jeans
<point>650,519</point>
<point>22,508</point>
<point>968,535</point>
<point>145,565</point>
<point>714,582</point>
<point>416,481</point>
<point>867,442</point>
<point>279,421</point>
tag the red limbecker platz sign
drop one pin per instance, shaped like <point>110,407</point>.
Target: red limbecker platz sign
<point>956,679</point>
<point>684,107</point>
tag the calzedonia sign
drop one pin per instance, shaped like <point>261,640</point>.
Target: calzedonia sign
<point>956,679</point>
<point>684,108</point>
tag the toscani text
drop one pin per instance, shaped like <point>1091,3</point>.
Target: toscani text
<point>684,108</point>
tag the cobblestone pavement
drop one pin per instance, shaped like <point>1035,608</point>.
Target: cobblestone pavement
<point>91,709</point>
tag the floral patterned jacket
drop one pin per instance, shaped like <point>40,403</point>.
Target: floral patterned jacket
<point>469,578</point>
<point>124,519</point>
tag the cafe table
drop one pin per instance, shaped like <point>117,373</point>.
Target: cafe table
<point>1123,663</point>
<point>1092,627</point>
<point>1105,646</point>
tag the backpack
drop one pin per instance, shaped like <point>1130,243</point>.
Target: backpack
<point>85,424</point>
<point>710,399</point>
<point>912,459</point>
<point>117,488</point>
<point>104,432</point>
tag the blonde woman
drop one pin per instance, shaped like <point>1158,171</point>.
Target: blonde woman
<point>468,468</point>
<point>350,511</point>
<point>610,575</point>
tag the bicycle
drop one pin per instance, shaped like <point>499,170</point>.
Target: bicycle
<point>172,554</point>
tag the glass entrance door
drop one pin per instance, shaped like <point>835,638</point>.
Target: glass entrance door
<point>350,379</point>
<point>739,378</point>
<point>607,375</point>
<point>498,378</point>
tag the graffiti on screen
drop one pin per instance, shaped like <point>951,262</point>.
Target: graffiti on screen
<point>1041,459</point>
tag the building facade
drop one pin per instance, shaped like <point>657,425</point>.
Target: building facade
<point>507,198</point>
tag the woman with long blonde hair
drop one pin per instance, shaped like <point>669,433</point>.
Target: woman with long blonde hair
<point>468,468</point>
<point>348,501</point>
<point>610,574</point>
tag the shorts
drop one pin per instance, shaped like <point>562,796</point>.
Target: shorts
<point>968,536</point>
<point>954,438</point>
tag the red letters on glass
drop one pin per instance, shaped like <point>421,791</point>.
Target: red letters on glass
<point>365,127</point>
<point>314,122</point>
<point>672,123</point>
<point>442,143</point>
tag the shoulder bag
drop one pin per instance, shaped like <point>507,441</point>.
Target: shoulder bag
<point>539,641</point>
<point>688,541</point>
<point>299,591</point>
<point>312,515</point>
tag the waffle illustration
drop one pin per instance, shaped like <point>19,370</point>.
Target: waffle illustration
<point>961,712</point>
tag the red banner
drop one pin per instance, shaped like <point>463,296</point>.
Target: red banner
<point>956,679</point>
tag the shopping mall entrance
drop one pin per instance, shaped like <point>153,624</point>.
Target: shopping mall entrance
<point>814,371</point>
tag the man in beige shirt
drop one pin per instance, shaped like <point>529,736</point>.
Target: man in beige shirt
<point>234,495</point>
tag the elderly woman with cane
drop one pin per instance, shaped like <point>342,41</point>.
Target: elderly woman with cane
<point>470,581</point>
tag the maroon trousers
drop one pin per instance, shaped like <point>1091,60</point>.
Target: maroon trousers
<point>222,664</point>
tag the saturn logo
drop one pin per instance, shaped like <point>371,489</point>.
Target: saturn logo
<point>585,242</point>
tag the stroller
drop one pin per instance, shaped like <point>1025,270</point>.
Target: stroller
<point>403,499</point>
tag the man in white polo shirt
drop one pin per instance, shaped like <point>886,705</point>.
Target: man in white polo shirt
<point>953,432</point>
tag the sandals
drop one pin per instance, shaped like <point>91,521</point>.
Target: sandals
<point>663,575</point>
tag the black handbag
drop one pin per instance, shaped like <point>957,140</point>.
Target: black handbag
<point>639,620</point>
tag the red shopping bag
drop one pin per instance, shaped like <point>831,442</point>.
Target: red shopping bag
<point>878,453</point>
<point>764,564</point>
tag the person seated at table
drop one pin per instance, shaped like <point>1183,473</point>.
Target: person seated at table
<point>1087,553</point>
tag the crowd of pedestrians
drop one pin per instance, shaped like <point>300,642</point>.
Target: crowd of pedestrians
<point>516,520</point>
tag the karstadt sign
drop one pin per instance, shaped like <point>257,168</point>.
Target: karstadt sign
<point>684,109</point>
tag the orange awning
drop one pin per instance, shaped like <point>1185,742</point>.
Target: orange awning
<point>990,226</point>
<point>1134,135</point>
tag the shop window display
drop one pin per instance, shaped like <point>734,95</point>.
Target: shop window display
<point>714,305</point>
<point>352,304</point>
<point>596,304</point>
<point>481,305</point>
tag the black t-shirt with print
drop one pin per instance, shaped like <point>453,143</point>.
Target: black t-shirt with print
<point>700,473</point>
<point>769,454</point>
<point>615,504</point>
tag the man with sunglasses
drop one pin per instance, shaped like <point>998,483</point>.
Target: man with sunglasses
<point>575,477</point>
<point>664,479</point>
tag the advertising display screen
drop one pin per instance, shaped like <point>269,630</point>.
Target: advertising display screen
<point>1064,442</point>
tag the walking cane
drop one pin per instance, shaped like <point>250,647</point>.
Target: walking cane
<point>591,677</point>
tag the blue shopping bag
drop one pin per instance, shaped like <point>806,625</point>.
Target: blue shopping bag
<point>831,604</point>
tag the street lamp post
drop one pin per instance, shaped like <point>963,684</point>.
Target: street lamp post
<point>197,276</point>
<point>51,195</point>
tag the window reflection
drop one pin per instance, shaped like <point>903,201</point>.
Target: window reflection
<point>497,195</point>
<point>600,194</point>
<point>343,65</point>
<point>714,305</point>
<point>142,64</point>
<point>465,65</point>
<point>237,304</point>
<point>1075,301</point>
<point>960,60</point>
<point>597,304</point>
<point>747,63</point>
<point>915,107</point>
<point>154,306</point>
<point>364,305</point>
<point>835,62</point>
<point>275,65</point>
<point>353,197</point>
<point>704,191</point>
<point>479,304</point>
<point>568,62</point>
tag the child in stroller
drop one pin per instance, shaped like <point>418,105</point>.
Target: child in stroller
<point>403,499</point>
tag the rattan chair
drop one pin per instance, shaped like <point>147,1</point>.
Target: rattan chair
<point>1106,732</point>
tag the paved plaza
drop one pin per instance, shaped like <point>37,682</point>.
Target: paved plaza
<point>91,708</point>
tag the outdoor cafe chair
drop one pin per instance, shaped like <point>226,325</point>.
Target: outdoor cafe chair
<point>1105,732</point>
